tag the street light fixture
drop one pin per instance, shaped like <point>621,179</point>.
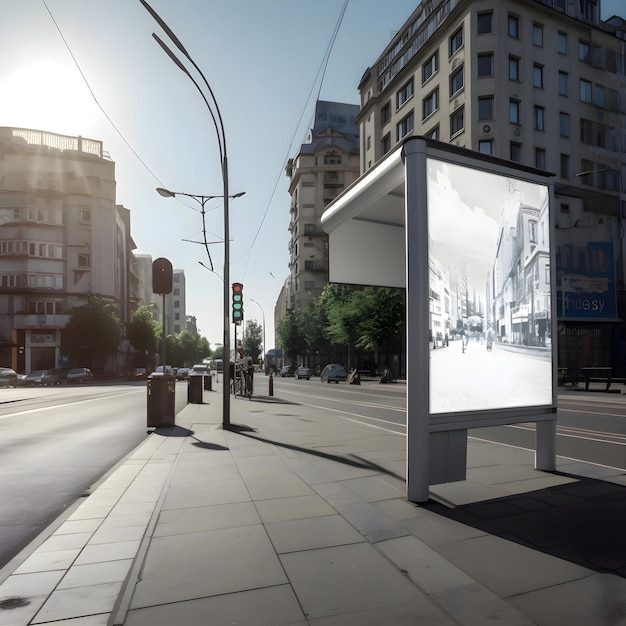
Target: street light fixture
<point>218,122</point>
<point>201,200</point>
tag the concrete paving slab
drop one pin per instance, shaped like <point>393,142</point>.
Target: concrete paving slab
<point>599,599</point>
<point>48,561</point>
<point>272,606</point>
<point>78,602</point>
<point>283,486</point>
<point>108,552</point>
<point>475,605</point>
<point>345,579</point>
<point>95,574</point>
<point>370,521</point>
<point>207,564</point>
<point>506,567</point>
<point>197,493</point>
<point>311,533</point>
<point>295,507</point>
<point>198,519</point>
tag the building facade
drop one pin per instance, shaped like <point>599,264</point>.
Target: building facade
<point>326,164</point>
<point>62,237</point>
<point>542,83</point>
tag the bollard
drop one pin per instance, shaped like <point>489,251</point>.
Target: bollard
<point>271,384</point>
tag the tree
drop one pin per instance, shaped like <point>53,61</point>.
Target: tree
<point>144,334</point>
<point>253,340</point>
<point>291,335</point>
<point>93,331</point>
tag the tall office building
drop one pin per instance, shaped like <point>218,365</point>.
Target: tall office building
<point>539,82</point>
<point>326,164</point>
<point>62,237</point>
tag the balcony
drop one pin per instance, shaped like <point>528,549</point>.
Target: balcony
<point>40,320</point>
<point>316,266</point>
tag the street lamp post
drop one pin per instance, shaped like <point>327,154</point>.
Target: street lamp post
<point>263,314</point>
<point>218,122</point>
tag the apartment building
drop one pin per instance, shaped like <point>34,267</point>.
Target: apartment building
<point>326,164</point>
<point>542,83</point>
<point>62,237</point>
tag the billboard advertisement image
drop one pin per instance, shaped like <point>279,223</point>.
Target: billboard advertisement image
<point>489,290</point>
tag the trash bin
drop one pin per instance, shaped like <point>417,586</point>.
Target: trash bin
<point>161,406</point>
<point>194,388</point>
<point>208,382</point>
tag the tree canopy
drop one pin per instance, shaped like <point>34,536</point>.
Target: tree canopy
<point>93,330</point>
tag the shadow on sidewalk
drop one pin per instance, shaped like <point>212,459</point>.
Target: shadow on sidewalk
<point>355,461</point>
<point>582,522</point>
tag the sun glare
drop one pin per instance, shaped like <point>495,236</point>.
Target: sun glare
<point>47,96</point>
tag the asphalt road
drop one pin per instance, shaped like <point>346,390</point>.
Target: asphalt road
<point>590,426</point>
<point>55,443</point>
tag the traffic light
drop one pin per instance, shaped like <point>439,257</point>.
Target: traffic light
<point>237,303</point>
<point>162,276</point>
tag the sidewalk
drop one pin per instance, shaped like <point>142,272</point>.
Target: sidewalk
<point>295,516</point>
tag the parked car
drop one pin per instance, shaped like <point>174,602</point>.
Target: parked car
<point>139,373</point>
<point>79,375</point>
<point>182,373</point>
<point>287,370</point>
<point>333,372</point>
<point>164,369</point>
<point>303,372</point>
<point>40,378</point>
<point>8,377</point>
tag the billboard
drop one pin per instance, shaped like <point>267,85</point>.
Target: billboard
<point>490,290</point>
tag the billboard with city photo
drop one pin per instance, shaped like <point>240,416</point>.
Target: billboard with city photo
<point>490,292</point>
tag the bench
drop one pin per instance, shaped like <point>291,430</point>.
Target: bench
<point>602,375</point>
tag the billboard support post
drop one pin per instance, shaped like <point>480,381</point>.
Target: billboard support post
<point>417,354</point>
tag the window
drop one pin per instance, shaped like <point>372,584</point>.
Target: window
<point>385,114</point>
<point>84,260</point>
<point>538,35</point>
<point>538,75</point>
<point>561,43</point>
<point>456,81</point>
<point>585,91</point>
<point>513,26</point>
<point>586,131</point>
<point>598,96</point>
<point>485,64</point>
<point>584,52</point>
<point>433,134</point>
<point>540,158</point>
<point>565,166</point>
<point>404,127</point>
<point>176,292</point>
<point>485,146</point>
<point>385,144</point>
<point>84,214</point>
<point>485,108</point>
<point>457,121</point>
<point>456,41</point>
<point>430,67</point>
<point>564,124</point>
<point>514,111</point>
<point>430,104</point>
<point>563,82</point>
<point>532,231</point>
<point>404,93</point>
<point>484,23</point>
<point>513,68</point>
<point>516,151</point>
<point>539,118</point>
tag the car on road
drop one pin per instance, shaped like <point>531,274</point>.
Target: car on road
<point>303,372</point>
<point>287,370</point>
<point>333,372</point>
<point>79,375</point>
<point>8,377</point>
<point>182,373</point>
<point>40,378</point>
<point>139,373</point>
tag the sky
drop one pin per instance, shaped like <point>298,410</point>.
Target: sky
<point>92,68</point>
